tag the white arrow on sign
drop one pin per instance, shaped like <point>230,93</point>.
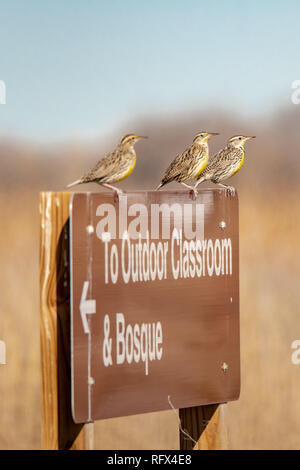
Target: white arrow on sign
<point>86,307</point>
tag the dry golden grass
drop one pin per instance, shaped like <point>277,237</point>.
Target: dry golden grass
<point>19,322</point>
<point>267,416</point>
<point>268,412</point>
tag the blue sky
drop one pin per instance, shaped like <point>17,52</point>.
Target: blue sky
<point>75,67</point>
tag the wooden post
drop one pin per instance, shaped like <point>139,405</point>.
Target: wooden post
<point>58,429</point>
<point>205,425</point>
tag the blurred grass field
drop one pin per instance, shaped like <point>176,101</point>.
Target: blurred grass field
<point>267,416</point>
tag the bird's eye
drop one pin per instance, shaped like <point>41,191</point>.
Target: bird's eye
<point>240,138</point>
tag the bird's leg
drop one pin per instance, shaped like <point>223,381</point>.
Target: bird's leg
<point>193,191</point>
<point>230,189</point>
<point>186,185</point>
<point>110,186</point>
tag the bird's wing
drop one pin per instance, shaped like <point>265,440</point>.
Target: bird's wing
<point>221,159</point>
<point>221,163</point>
<point>180,163</point>
<point>105,167</point>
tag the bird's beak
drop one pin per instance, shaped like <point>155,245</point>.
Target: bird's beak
<point>142,137</point>
<point>211,134</point>
<point>250,137</point>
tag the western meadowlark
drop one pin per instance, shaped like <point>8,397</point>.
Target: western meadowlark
<point>226,163</point>
<point>115,166</point>
<point>190,163</point>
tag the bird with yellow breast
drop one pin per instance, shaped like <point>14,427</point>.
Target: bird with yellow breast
<point>190,164</point>
<point>115,166</point>
<point>226,163</point>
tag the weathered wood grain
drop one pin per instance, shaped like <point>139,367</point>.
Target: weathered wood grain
<point>58,429</point>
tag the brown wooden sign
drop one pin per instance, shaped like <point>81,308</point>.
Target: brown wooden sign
<point>154,302</point>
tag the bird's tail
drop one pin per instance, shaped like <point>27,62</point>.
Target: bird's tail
<point>73,184</point>
<point>159,186</point>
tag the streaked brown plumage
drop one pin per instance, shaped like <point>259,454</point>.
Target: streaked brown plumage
<point>190,163</point>
<point>226,163</point>
<point>115,166</point>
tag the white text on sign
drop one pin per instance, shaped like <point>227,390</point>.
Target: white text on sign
<point>134,343</point>
<point>144,261</point>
